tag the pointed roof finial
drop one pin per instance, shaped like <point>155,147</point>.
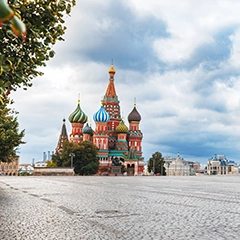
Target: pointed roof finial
<point>79,98</point>
<point>134,101</point>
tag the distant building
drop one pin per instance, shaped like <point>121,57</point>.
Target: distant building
<point>232,167</point>
<point>177,166</point>
<point>40,164</point>
<point>10,169</point>
<point>219,165</point>
<point>25,168</point>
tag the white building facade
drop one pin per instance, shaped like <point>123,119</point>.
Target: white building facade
<point>177,166</point>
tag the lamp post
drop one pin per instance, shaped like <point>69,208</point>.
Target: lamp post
<point>153,166</point>
<point>72,155</point>
<point>138,167</point>
<point>168,163</point>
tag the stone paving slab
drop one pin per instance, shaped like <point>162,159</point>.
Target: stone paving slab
<point>74,207</point>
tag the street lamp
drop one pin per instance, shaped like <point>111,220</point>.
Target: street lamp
<point>153,166</point>
<point>138,167</point>
<point>168,167</point>
<point>72,155</point>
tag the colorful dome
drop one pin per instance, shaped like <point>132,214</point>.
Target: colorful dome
<point>122,128</point>
<point>101,115</point>
<point>134,115</point>
<point>78,116</point>
<point>87,130</point>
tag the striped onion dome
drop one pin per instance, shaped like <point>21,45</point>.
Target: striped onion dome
<point>122,128</point>
<point>101,115</point>
<point>134,115</point>
<point>78,116</point>
<point>87,130</point>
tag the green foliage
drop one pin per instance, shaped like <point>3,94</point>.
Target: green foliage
<point>10,137</point>
<point>156,164</point>
<point>85,161</point>
<point>7,14</point>
<point>51,164</point>
<point>90,169</point>
<point>24,174</point>
<point>20,60</point>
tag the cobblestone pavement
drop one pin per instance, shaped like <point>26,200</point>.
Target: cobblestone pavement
<point>206,207</point>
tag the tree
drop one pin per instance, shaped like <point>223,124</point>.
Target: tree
<point>7,14</point>
<point>20,57</point>
<point>156,164</point>
<point>51,164</point>
<point>85,161</point>
<point>20,60</point>
<point>10,137</point>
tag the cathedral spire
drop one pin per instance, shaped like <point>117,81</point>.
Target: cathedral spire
<point>63,137</point>
<point>111,92</point>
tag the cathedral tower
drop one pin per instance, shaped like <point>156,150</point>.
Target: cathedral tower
<point>77,120</point>
<point>111,104</point>
<point>100,136</point>
<point>87,133</point>
<point>63,137</point>
<point>135,135</point>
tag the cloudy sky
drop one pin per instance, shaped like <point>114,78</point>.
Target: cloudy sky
<point>180,59</point>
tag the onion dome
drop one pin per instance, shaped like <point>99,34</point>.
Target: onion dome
<point>122,128</point>
<point>78,116</point>
<point>112,70</point>
<point>134,115</point>
<point>101,115</point>
<point>87,130</point>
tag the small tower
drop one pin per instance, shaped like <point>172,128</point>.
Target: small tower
<point>63,137</point>
<point>87,133</point>
<point>77,120</point>
<point>100,137</point>
<point>135,135</point>
<point>135,138</point>
<point>122,131</point>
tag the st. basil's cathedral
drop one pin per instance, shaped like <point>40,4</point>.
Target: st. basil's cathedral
<point>114,140</point>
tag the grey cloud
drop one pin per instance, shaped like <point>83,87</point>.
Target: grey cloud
<point>214,53</point>
<point>214,103</point>
<point>127,39</point>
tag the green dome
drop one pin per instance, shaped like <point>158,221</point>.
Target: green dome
<point>122,128</point>
<point>78,116</point>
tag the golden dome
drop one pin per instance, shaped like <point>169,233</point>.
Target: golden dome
<point>112,70</point>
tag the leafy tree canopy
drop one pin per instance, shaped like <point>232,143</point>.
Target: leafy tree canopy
<point>20,60</point>
<point>156,164</point>
<point>51,164</point>
<point>85,161</point>
<point>20,57</point>
<point>10,137</point>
